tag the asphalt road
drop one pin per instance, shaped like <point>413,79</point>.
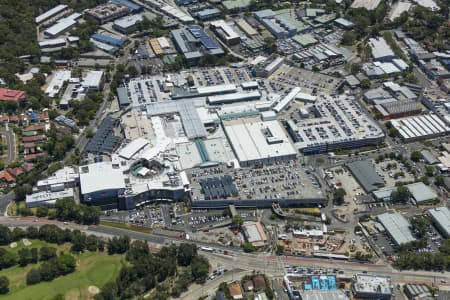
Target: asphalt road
<point>11,143</point>
<point>5,200</point>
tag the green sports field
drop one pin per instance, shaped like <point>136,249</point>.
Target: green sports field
<point>93,269</point>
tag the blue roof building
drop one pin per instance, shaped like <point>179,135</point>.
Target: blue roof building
<point>108,40</point>
<point>135,8</point>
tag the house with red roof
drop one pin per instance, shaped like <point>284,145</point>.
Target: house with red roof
<point>11,95</point>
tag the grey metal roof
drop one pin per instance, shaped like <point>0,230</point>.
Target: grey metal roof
<point>193,125</point>
<point>364,172</point>
<point>421,192</point>
<point>122,95</point>
<point>441,216</point>
<point>429,157</point>
<point>397,227</point>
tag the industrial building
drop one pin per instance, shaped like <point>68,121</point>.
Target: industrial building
<point>256,142</point>
<point>57,82</point>
<point>92,80</point>
<point>63,25</point>
<point>268,66</point>
<point>276,24</point>
<point>420,127</point>
<point>367,4</point>
<point>364,172</point>
<point>398,109</point>
<point>421,193</point>
<point>441,219</point>
<point>127,25</point>
<point>225,32</point>
<point>134,8</point>
<point>372,287</point>
<point>107,39</point>
<point>51,13</point>
<point>333,123</point>
<point>193,41</point>
<point>344,23</point>
<point>47,198</point>
<point>208,14</point>
<point>109,11</point>
<point>381,51</point>
<point>397,227</point>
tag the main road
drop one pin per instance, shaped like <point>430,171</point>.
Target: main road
<point>275,266</point>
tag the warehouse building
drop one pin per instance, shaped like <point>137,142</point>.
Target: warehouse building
<point>51,13</point>
<point>397,227</point>
<point>372,287</point>
<point>225,32</point>
<point>441,219</point>
<point>268,66</point>
<point>344,23</point>
<point>366,175</point>
<point>127,25</point>
<point>398,109</point>
<point>92,80</point>
<point>381,51</point>
<point>63,25</point>
<point>276,24</point>
<point>193,41</point>
<point>208,14</point>
<point>134,8</point>
<point>106,39</point>
<point>256,142</point>
<point>246,28</point>
<point>421,193</point>
<point>420,127</point>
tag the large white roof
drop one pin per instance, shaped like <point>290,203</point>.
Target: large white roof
<point>133,147</point>
<point>99,177</point>
<point>50,13</point>
<point>250,143</point>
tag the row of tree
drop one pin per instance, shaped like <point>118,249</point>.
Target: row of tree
<point>61,265</point>
<point>66,210</point>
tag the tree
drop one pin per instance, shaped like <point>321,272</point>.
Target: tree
<point>365,84</point>
<point>108,292</point>
<point>7,259</point>
<point>42,211</point>
<point>24,257</point>
<point>248,247</point>
<point>237,220</point>
<point>200,268</point>
<point>416,156</point>
<point>402,194</point>
<point>439,180</point>
<point>66,263</point>
<point>4,285</point>
<point>47,253</point>
<point>186,253</point>
<point>348,38</point>
<point>338,195</point>
<point>33,276</point>
<point>429,171</point>
<point>5,235</point>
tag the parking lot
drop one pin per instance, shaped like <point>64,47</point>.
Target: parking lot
<point>217,76</point>
<point>310,82</point>
<point>277,181</point>
<point>201,218</point>
<point>393,171</point>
